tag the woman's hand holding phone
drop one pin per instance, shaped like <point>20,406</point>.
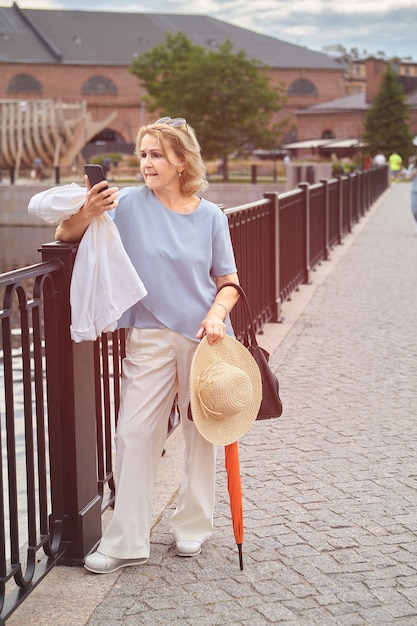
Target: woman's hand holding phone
<point>95,173</point>
<point>102,199</point>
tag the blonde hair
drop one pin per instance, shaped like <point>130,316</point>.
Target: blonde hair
<point>183,141</point>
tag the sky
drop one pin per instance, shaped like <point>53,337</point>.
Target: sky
<point>370,26</point>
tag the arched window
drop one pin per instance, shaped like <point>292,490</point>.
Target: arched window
<point>24,83</point>
<point>327,134</point>
<point>107,135</point>
<point>99,85</point>
<point>302,87</point>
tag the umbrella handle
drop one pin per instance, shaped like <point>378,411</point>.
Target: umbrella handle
<point>239,547</point>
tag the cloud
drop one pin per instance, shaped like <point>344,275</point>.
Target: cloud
<point>368,25</point>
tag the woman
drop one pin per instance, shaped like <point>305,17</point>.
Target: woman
<point>180,245</point>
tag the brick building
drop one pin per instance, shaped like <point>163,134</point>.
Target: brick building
<point>84,56</point>
<point>354,64</point>
<point>336,126</point>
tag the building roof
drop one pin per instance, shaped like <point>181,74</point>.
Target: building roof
<point>115,38</point>
<point>336,142</point>
<point>306,144</point>
<point>354,102</point>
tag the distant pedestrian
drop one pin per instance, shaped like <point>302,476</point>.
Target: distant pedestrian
<point>411,175</point>
<point>379,158</point>
<point>395,164</point>
<point>106,166</point>
<point>38,169</point>
<point>368,162</point>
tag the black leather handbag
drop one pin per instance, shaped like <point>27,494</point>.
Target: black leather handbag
<point>271,405</point>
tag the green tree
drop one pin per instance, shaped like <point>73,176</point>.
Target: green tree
<point>387,126</point>
<point>226,97</point>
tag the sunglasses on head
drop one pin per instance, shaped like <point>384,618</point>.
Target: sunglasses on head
<point>172,121</point>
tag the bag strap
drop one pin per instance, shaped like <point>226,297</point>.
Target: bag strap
<point>250,333</point>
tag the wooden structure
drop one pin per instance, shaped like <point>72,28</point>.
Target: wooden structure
<point>53,130</point>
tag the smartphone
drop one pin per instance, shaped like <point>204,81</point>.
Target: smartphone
<point>95,173</point>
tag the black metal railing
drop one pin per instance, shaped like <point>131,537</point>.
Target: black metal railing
<point>31,506</point>
<point>59,400</point>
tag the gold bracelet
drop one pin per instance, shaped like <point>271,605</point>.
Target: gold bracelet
<point>224,306</point>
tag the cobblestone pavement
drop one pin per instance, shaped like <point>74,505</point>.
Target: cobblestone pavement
<point>330,489</point>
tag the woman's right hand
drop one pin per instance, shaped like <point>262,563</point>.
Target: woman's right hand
<point>99,199</point>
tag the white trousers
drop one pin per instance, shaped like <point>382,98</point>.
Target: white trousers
<point>156,367</point>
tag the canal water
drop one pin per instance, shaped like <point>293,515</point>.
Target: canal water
<point>19,245</point>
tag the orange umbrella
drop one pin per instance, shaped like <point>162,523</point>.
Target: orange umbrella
<point>234,487</point>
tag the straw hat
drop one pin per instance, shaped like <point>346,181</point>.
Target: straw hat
<point>225,390</point>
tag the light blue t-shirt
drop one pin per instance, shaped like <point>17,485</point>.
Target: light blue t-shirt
<point>176,256</point>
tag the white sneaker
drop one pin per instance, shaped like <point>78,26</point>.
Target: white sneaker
<point>100,563</point>
<point>188,548</point>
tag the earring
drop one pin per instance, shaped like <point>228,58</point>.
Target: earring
<point>179,174</point>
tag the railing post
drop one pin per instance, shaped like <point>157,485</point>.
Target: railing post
<point>306,234</point>
<point>76,414</point>
<point>340,212</point>
<point>350,201</point>
<point>325,183</point>
<point>359,213</point>
<point>364,195</point>
<point>274,199</point>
